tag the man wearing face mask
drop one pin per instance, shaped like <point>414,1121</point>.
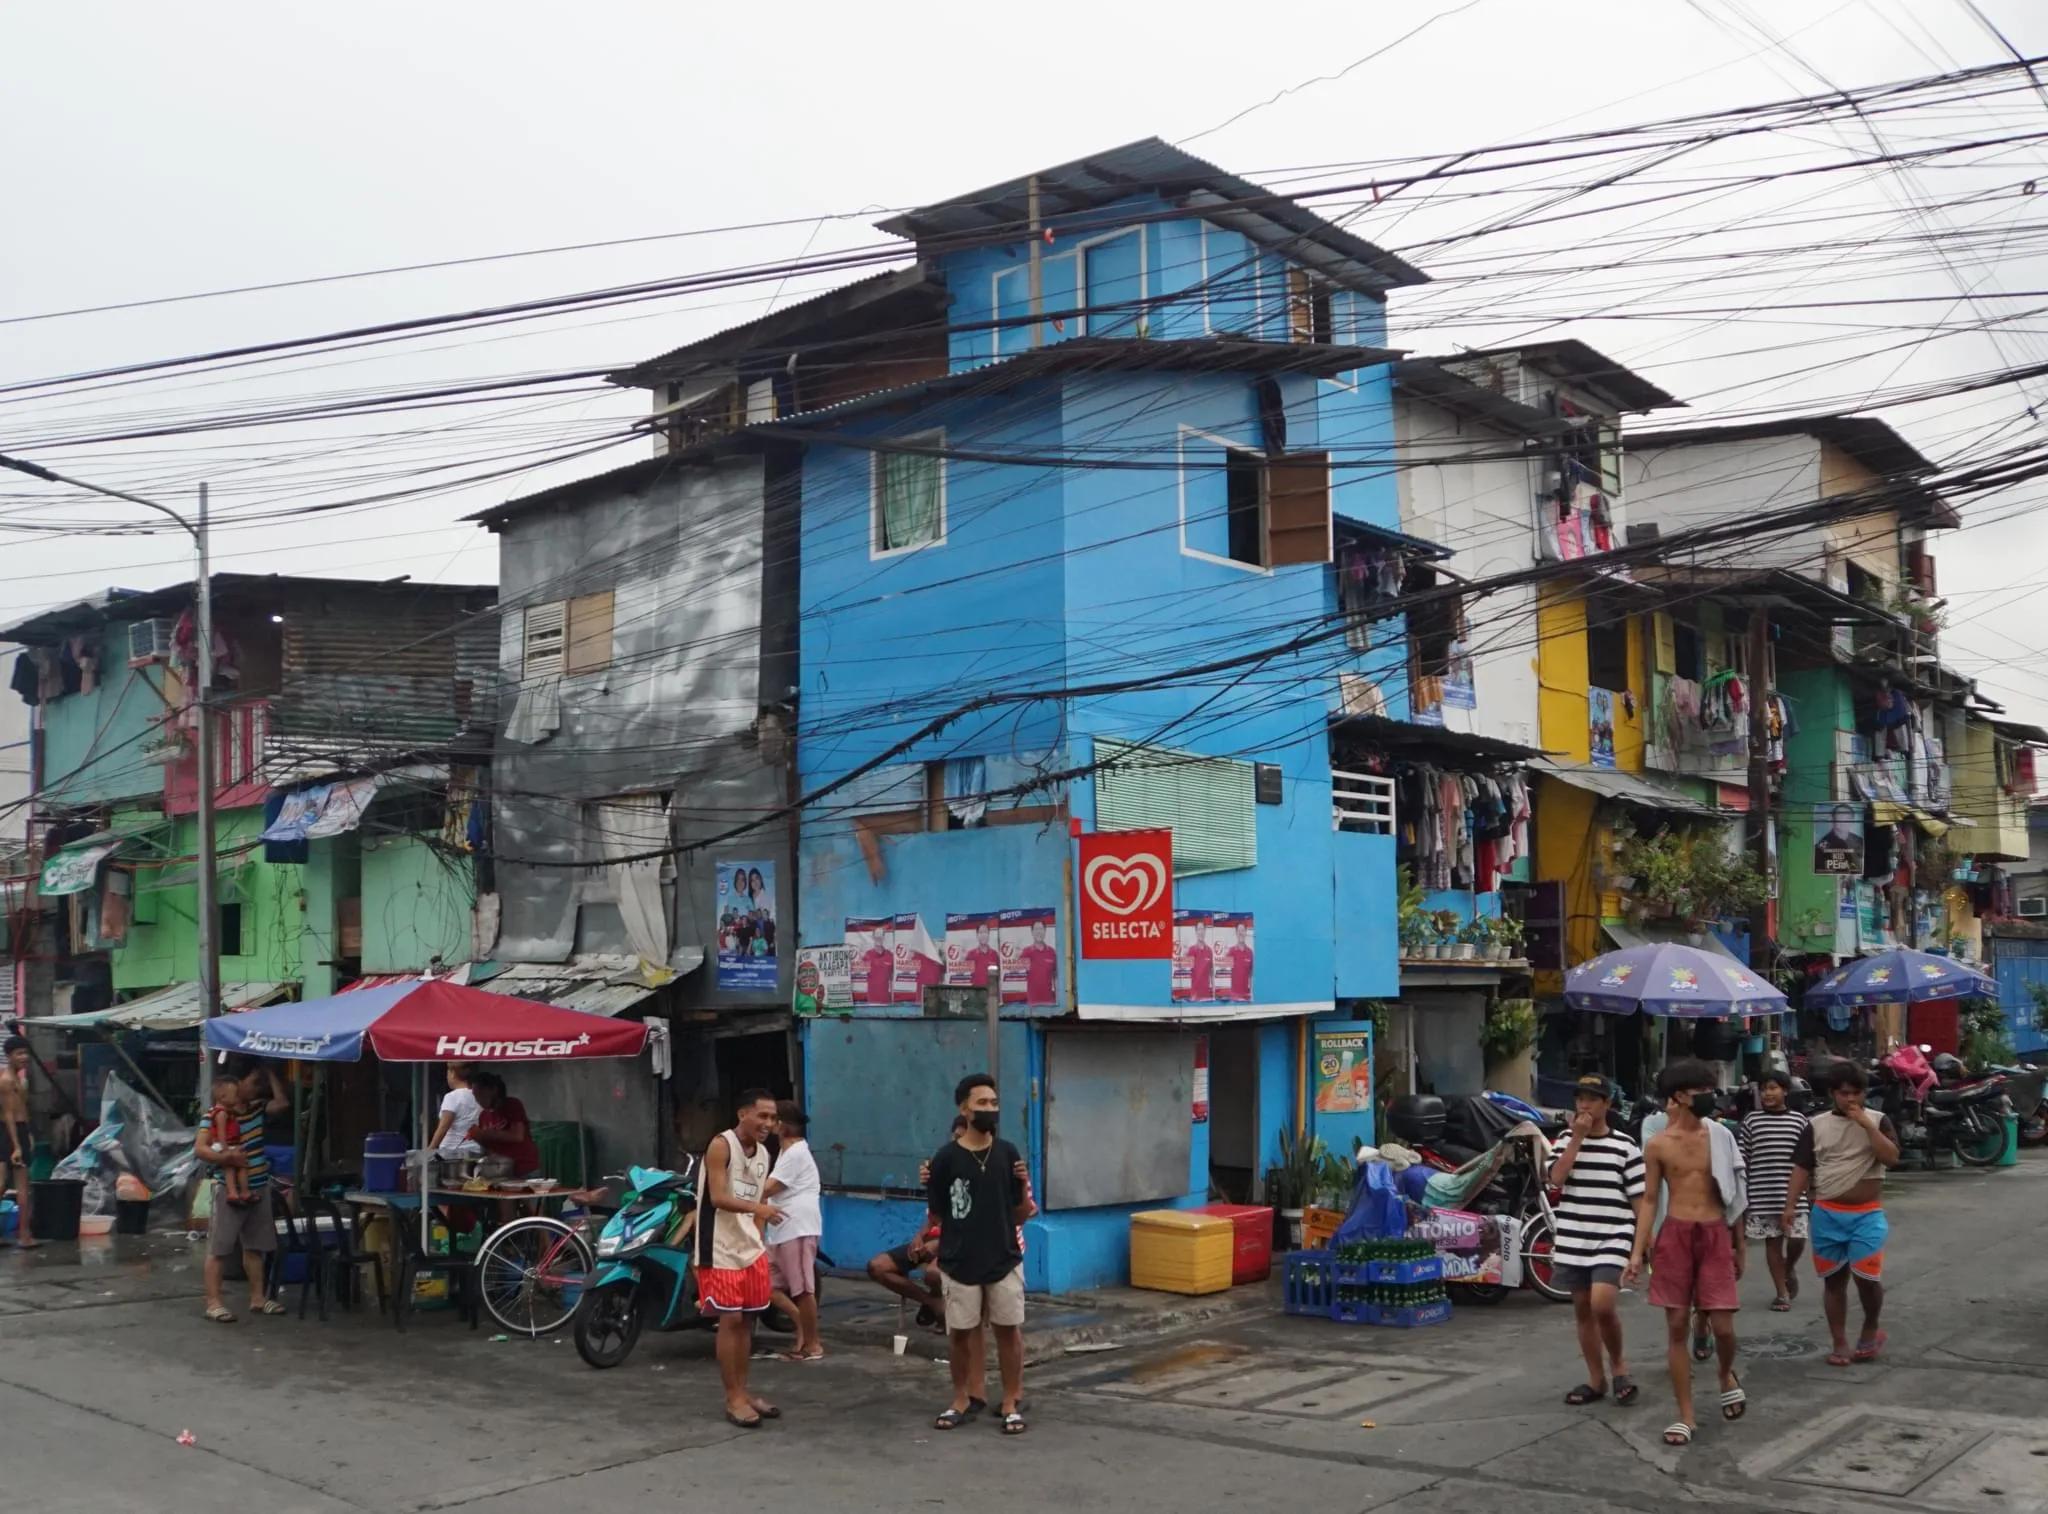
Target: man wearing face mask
<point>1695,1167</point>
<point>977,1197</point>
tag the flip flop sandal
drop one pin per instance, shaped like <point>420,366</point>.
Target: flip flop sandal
<point>1781,1305</point>
<point>976,1406</point>
<point>1585,1393</point>
<point>953,1419</point>
<point>220,1315</point>
<point>1702,1346</point>
<point>744,1424</point>
<point>269,1306</point>
<point>1013,1423</point>
<point>1839,1359</point>
<point>1867,1351</point>
<point>1678,1433</point>
<point>1734,1403</point>
<point>1625,1391</point>
<point>767,1411</point>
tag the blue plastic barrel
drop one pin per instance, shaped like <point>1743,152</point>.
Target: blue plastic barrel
<point>383,1161</point>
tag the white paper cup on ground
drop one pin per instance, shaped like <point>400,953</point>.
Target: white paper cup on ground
<point>901,1344</point>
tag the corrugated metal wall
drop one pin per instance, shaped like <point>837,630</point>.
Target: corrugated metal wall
<point>384,669</point>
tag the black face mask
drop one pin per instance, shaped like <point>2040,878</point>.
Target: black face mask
<point>1703,1105</point>
<point>985,1120</point>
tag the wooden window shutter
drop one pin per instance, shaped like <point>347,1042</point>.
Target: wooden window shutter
<point>542,651</point>
<point>1297,509</point>
<point>590,633</point>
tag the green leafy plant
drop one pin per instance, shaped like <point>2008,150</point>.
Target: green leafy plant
<point>1981,1032</point>
<point>1509,1029</point>
<point>1508,931</point>
<point>1686,875</point>
<point>1294,1179</point>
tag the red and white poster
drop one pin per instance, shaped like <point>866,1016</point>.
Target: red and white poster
<point>1126,888</point>
<point>919,964</point>
<point>1212,956</point>
<point>1201,1089</point>
<point>872,940</point>
<point>1031,957</point>
<point>974,954</point>
<point>1233,934</point>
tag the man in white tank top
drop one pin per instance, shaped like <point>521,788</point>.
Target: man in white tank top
<point>731,1258</point>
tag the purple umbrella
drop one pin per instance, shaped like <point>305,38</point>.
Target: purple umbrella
<point>1682,982</point>
<point>1899,977</point>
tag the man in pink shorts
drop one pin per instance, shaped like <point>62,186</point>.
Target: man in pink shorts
<point>1696,1165</point>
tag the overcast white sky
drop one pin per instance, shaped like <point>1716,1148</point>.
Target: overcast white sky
<point>156,151</point>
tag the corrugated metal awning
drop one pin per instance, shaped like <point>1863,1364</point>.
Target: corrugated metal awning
<point>1626,936</point>
<point>1628,788</point>
<point>598,985</point>
<point>173,1008</point>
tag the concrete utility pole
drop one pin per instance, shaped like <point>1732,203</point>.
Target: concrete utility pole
<point>1036,276</point>
<point>1760,774</point>
<point>209,903</point>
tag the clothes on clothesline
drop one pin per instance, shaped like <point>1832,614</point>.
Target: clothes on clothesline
<point>1461,830</point>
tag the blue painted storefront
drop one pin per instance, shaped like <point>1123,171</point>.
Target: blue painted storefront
<point>1060,578</point>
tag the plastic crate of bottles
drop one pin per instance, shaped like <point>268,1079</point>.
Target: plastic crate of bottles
<point>1309,1283</point>
<point>1409,1316</point>
<point>1387,1261</point>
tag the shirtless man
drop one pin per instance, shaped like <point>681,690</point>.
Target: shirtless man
<point>16,1146</point>
<point>1840,1160</point>
<point>1698,1254</point>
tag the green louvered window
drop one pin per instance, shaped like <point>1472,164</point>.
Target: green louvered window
<point>1207,802</point>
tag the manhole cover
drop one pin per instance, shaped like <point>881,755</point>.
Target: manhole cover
<point>1780,1348</point>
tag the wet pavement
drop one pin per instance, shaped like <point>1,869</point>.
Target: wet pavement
<point>104,1361</point>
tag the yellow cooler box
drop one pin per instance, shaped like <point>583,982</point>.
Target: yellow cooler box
<point>1179,1252</point>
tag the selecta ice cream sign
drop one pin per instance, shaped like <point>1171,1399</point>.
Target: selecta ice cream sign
<point>1126,882</point>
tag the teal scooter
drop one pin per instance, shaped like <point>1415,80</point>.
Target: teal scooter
<point>643,1274</point>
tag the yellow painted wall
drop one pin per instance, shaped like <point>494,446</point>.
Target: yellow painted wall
<point>1561,673</point>
<point>2001,829</point>
<point>1869,541</point>
<point>1570,849</point>
<point>1630,730</point>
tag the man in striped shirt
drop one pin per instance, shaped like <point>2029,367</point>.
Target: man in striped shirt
<point>1769,1137</point>
<point>1601,1172</point>
<point>248,1227</point>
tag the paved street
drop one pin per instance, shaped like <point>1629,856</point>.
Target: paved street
<point>103,1361</point>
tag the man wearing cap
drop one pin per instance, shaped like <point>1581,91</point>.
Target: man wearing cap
<point>1600,1171</point>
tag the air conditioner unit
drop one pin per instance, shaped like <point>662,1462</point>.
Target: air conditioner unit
<point>2034,909</point>
<point>149,641</point>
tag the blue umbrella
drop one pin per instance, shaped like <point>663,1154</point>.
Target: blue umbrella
<point>1682,982</point>
<point>1899,977</point>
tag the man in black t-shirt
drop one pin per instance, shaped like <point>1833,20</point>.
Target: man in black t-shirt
<point>976,1196</point>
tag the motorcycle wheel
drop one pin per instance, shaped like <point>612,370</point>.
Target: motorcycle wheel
<point>2034,1127</point>
<point>608,1324</point>
<point>1476,1293</point>
<point>1538,1241</point>
<point>1983,1143</point>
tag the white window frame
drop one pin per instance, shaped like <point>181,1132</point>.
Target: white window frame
<point>876,551</point>
<point>1181,482</point>
<point>559,610</point>
<point>1141,316</point>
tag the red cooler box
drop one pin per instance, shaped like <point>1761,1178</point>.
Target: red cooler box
<point>1251,1259</point>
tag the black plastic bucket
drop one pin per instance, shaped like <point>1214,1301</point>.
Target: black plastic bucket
<point>54,1207</point>
<point>131,1216</point>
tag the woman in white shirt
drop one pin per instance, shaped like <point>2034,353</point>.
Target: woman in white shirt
<point>459,1113</point>
<point>793,1187</point>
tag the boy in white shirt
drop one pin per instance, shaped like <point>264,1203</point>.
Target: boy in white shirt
<point>793,1187</point>
<point>459,1113</point>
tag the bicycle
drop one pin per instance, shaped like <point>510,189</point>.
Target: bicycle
<point>531,1273</point>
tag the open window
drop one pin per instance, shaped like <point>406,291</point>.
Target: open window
<point>909,499</point>
<point>1607,663</point>
<point>1246,507</point>
<point>1308,309</point>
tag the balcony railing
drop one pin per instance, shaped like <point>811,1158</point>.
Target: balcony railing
<point>1362,802</point>
<point>241,736</point>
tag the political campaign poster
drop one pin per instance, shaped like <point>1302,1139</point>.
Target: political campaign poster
<point>1194,958</point>
<point>746,925</point>
<point>1838,840</point>
<point>920,963</point>
<point>1600,726</point>
<point>1232,934</point>
<point>974,954</point>
<point>1031,956</point>
<point>871,943</point>
<point>824,980</point>
<point>1459,693</point>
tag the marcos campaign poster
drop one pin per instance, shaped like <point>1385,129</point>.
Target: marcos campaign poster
<point>1031,959</point>
<point>1126,889</point>
<point>974,955</point>
<point>1212,956</point>
<point>746,925</point>
<point>919,962</point>
<point>871,939</point>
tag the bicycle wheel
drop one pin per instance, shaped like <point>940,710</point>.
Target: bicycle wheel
<point>532,1273</point>
<point>1538,1270</point>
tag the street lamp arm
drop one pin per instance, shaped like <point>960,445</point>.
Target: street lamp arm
<point>37,470</point>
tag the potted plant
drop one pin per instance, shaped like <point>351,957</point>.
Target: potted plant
<point>1507,1037</point>
<point>1414,921</point>
<point>1292,1182</point>
<point>1415,937</point>
<point>1507,938</point>
<point>1446,923</point>
<point>1471,937</point>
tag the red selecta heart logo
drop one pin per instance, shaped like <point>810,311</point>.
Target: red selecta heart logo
<point>1125,885</point>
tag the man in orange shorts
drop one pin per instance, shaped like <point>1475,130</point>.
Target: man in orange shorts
<point>1842,1159</point>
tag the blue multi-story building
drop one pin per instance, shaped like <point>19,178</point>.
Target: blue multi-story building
<point>1094,544</point>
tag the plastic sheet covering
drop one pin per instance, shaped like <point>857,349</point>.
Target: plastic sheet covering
<point>1454,1190</point>
<point>138,1138</point>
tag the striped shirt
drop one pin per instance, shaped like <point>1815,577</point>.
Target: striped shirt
<point>1596,1217</point>
<point>1768,1141</point>
<point>250,1122</point>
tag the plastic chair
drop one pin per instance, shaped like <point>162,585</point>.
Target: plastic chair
<point>413,1259</point>
<point>304,1244</point>
<point>345,1262</point>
